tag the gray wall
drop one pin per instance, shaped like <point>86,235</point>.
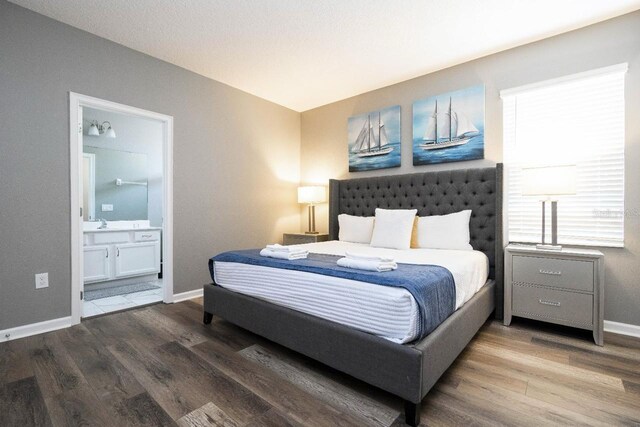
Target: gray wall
<point>324,129</point>
<point>133,134</point>
<point>236,158</point>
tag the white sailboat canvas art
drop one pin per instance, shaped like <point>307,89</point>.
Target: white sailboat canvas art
<point>449,127</point>
<point>374,140</point>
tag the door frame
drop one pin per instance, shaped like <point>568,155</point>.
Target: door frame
<point>91,203</point>
<point>76,103</point>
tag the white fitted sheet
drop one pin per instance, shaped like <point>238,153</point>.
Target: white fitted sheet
<point>391,313</point>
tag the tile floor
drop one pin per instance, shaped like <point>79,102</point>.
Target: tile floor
<point>121,302</point>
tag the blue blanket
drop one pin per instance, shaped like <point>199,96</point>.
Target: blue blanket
<point>432,286</point>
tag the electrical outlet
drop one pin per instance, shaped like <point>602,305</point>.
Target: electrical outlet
<point>42,280</point>
<point>107,208</point>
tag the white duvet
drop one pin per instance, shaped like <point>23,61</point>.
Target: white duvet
<point>391,313</point>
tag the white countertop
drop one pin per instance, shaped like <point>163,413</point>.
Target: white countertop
<point>110,230</point>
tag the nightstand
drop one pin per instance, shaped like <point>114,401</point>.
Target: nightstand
<point>564,287</point>
<point>300,238</point>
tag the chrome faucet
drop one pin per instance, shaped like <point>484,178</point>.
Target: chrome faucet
<point>103,224</point>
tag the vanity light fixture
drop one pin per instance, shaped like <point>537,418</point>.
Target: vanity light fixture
<point>97,129</point>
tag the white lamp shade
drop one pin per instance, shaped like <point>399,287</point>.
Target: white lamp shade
<point>93,131</point>
<point>312,194</point>
<point>110,133</point>
<point>549,180</point>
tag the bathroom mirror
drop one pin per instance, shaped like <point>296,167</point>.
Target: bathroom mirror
<point>115,185</point>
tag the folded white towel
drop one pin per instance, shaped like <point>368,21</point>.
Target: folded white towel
<point>290,249</point>
<point>367,265</point>
<point>284,254</point>
<point>365,257</point>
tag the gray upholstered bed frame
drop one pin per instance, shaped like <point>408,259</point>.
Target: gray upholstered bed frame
<point>408,371</point>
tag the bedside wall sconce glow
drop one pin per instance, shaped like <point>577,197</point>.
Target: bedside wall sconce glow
<point>549,182</point>
<point>312,195</point>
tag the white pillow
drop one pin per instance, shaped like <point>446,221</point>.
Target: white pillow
<point>444,231</point>
<point>393,227</point>
<point>355,229</point>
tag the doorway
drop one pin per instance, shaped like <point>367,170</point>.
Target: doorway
<point>122,206</point>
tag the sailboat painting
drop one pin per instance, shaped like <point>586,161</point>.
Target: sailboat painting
<point>449,127</point>
<point>374,140</point>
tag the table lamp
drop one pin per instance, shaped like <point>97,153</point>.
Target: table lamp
<point>312,195</point>
<point>549,182</point>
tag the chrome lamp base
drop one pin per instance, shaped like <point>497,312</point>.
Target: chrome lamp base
<point>544,247</point>
<point>312,220</point>
<point>554,246</point>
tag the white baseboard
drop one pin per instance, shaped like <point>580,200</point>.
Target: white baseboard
<point>197,293</point>
<point>65,322</point>
<point>622,328</point>
<point>35,328</point>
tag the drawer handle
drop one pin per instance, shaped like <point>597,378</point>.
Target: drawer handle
<point>146,235</point>
<point>552,273</point>
<point>547,302</point>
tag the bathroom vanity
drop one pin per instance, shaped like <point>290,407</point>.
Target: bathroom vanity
<point>121,250</point>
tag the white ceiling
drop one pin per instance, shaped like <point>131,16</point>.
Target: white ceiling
<point>307,53</point>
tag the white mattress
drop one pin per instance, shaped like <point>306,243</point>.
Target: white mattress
<point>391,313</point>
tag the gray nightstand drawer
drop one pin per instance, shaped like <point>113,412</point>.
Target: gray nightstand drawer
<point>561,273</point>
<point>565,307</point>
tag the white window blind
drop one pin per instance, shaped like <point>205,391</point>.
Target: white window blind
<point>577,120</point>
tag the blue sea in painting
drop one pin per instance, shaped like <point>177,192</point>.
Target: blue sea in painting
<point>391,160</point>
<point>472,150</point>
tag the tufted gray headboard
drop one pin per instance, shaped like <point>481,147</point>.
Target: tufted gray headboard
<point>433,193</point>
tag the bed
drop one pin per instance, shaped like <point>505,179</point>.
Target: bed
<point>408,370</point>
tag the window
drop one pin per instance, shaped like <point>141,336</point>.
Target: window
<point>579,120</point>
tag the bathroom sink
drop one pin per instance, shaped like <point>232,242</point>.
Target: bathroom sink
<point>90,225</point>
<point>128,225</point>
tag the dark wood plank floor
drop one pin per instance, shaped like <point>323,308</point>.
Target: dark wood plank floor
<point>160,366</point>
